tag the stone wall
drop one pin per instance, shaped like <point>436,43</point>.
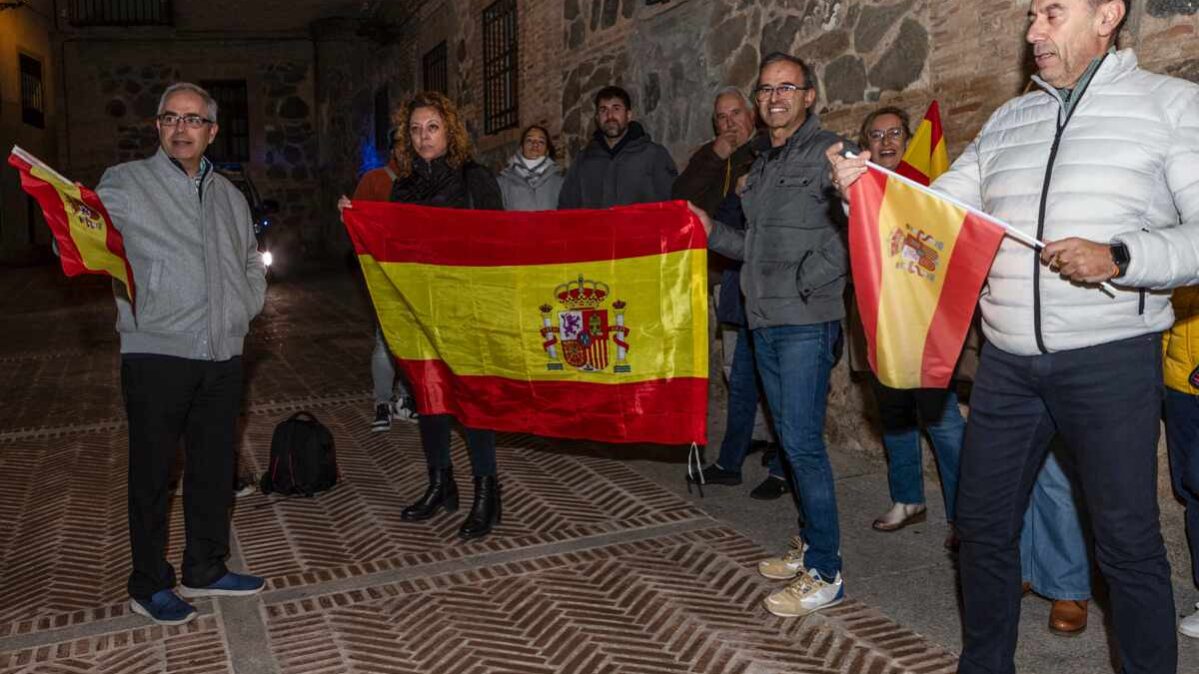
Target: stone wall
<point>112,93</point>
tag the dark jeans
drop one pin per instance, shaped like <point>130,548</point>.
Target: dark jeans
<point>1182,438</point>
<point>1105,403</point>
<point>794,362</point>
<point>168,398</point>
<point>743,409</point>
<point>435,439</point>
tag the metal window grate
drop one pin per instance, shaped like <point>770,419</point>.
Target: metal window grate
<point>500,104</point>
<point>434,67</point>
<point>121,13</point>
<point>33,97</point>
<point>232,143</point>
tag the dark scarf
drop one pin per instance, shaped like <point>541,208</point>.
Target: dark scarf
<point>432,183</point>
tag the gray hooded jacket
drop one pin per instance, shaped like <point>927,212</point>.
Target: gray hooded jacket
<point>794,245</point>
<point>530,190</point>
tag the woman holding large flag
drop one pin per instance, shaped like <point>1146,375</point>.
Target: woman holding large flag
<point>436,169</point>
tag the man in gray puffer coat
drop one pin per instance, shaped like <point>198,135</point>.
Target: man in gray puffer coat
<point>621,165</point>
<point>532,179</point>
<point>200,281</point>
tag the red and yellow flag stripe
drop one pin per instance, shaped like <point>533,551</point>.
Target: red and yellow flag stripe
<point>87,241</point>
<point>918,263</point>
<point>477,308</point>
<point>927,155</point>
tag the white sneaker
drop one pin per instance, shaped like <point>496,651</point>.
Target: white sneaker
<point>808,594</point>
<point>1190,624</point>
<point>404,409</point>
<point>788,566</point>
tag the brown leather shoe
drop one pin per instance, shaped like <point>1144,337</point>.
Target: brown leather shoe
<point>1068,617</point>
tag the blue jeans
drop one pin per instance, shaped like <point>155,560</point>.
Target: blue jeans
<point>1053,549</point>
<point>1105,403</point>
<point>1182,440</point>
<point>903,413</point>
<point>743,409</point>
<point>794,362</point>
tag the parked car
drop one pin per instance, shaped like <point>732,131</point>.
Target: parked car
<point>261,211</point>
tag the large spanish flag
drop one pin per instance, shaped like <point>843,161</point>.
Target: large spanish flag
<point>87,241</point>
<point>918,262</point>
<point>576,324</point>
<point>927,156</point>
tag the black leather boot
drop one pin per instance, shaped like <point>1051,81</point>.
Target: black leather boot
<point>442,491</point>
<point>486,509</point>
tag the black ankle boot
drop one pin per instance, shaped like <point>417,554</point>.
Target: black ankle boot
<point>485,510</point>
<point>442,491</point>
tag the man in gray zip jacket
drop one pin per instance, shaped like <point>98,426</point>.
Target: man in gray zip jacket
<point>793,279</point>
<point>1100,160</point>
<point>199,282</point>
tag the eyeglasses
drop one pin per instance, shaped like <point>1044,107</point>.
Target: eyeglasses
<point>894,133</point>
<point>785,90</point>
<point>192,121</point>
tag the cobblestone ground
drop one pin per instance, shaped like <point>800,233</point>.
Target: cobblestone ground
<point>596,568</point>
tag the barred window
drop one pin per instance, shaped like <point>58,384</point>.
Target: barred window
<point>120,13</point>
<point>33,97</point>
<point>434,69</point>
<point>500,105</point>
<point>232,143</point>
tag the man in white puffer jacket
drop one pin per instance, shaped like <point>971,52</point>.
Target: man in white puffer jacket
<point>1101,160</point>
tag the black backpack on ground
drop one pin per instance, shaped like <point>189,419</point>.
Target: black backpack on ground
<point>303,461</point>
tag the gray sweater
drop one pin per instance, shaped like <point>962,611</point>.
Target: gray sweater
<point>199,278</point>
<point>794,245</point>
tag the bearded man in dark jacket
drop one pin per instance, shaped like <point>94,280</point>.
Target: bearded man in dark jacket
<point>621,165</point>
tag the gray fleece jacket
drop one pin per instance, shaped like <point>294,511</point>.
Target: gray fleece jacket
<point>196,268</point>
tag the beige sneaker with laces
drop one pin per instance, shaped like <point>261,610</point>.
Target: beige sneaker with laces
<point>786,567</point>
<point>808,594</point>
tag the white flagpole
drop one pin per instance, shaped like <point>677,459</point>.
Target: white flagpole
<point>34,161</point>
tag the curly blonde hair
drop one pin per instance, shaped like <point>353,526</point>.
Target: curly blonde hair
<point>458,140</point>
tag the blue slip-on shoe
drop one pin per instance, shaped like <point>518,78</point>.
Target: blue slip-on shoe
<point>164,607</point>
<point>229,585</point>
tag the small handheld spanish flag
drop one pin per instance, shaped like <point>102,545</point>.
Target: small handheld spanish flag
<point>919,260</point>
<point>926,156</point>
<point>87,241</point>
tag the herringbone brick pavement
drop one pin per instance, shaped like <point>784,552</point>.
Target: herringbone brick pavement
<point>195,648</point>
<point>594,569</point>
<point>686,603</point>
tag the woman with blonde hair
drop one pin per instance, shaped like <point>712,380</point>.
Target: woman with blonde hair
<point>434,168</point>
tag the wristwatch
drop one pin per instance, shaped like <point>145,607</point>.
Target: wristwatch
<point>1120,257</point>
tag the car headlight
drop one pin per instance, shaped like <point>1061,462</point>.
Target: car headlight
<point>267,258</point>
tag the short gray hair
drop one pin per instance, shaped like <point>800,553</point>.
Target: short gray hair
<point>733,91</point>
<point>196,89</point>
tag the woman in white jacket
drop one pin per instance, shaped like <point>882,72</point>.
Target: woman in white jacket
<point>532,179</point>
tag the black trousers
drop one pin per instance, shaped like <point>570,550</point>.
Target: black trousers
<point>435,440</point>
<point>166,399</point>
<point>1104,402</point>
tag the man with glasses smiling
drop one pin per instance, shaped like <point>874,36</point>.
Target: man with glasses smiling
<point>200,281</point>
<point>793,278</point>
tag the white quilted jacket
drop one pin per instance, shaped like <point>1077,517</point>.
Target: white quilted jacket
<point>1126,168</point>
